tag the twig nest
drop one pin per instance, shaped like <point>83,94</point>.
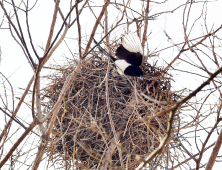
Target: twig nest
<point>83,132</point>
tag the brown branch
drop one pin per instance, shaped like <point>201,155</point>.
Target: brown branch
<point>38,105</point>
<point>80,11</point>
<point>36,79</point>
<point>95,26</point>
<point>91,10</point>
<point>28,29</point>
<point>106,29</point>
<point>191,49</point>
<point>169,65</point>
<point>145,26</point>
<point>123,13</point>
<point>21,47</point>
<point>61,14</point>
<point>181,51</point>
<point>46,58</point>
<point>17,107</point>
<point>52,25</point>
<point>41,65</point>
<point>56,37</point>
<point>22,37</point>
<point>205,142</point>
<point>13,118</point>
<point>79,30</point>
<point>9,154</point>
<point>110,117</point>
<point>215,152</point>
<point>191,157</point>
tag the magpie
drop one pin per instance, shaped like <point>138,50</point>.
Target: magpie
<point>129,54</point>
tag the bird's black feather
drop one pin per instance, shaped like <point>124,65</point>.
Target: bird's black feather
<point>130,57</point>
<point>133,71</point>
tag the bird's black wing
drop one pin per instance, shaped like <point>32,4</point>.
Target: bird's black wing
<point>130,57</point>
<point>130,50</point>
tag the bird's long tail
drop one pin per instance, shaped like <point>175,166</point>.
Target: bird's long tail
<point>104,51</point>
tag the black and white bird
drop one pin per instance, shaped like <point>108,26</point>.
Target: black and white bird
<point>129,55</point>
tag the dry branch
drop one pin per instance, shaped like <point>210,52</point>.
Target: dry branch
<point>215,151</point>
<point>95,27</point>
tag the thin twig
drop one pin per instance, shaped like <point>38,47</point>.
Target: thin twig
<point>110,117</point>
<point>95,27</point>
<point>79,30</point>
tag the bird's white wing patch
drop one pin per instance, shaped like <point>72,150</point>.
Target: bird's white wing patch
<point>132,43</point>
<point>121,65</point>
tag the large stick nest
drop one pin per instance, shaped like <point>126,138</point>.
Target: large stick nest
<point>83,130</point>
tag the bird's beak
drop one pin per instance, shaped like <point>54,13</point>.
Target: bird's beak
<point>141,77</point>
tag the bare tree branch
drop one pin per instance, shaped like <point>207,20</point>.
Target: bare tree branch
<point>95,26</point>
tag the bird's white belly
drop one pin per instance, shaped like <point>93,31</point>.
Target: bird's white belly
<point>121,65</point>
